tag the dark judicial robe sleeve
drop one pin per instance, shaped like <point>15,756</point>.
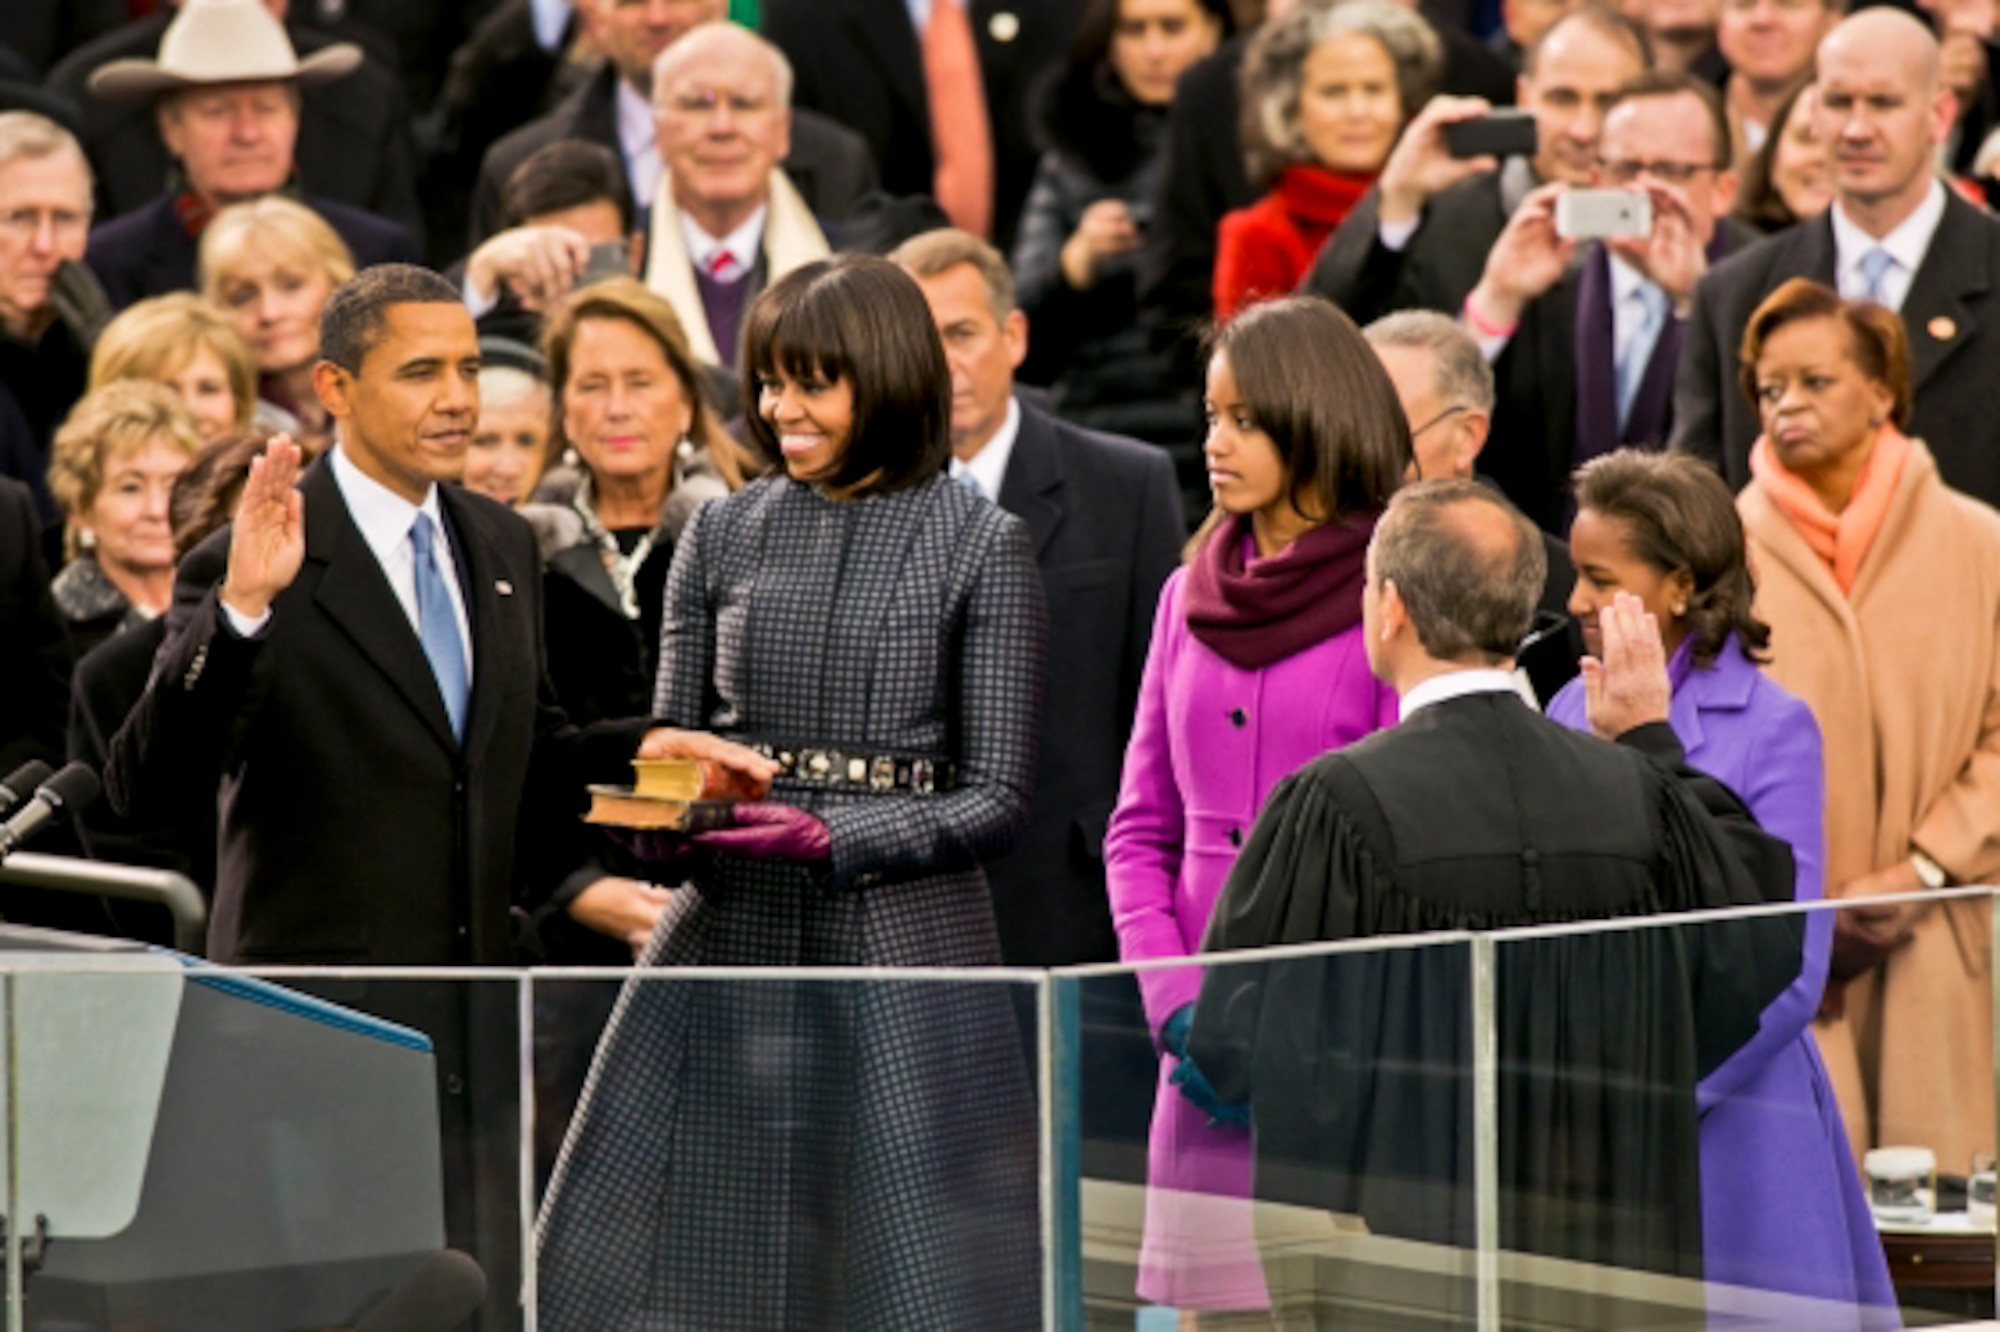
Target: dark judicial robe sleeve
<point>1357,1067</point>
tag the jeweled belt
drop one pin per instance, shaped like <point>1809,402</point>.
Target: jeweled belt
<point>851,769</point>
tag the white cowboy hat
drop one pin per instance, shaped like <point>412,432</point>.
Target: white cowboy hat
<point>222,41</point>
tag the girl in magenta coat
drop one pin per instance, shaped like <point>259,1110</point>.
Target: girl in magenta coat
<point>1256,667</point>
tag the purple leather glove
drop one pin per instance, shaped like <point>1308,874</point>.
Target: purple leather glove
<point>771,832</point>
<point>661,850</point>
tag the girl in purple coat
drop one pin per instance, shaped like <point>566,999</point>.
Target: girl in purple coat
<point>1256,667</point>
<point>1781,1203</point>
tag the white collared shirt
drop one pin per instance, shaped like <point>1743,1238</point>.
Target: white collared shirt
<point>989,466</point>
<point>385,519</point>
<point>639,143</point>
<point>1458,684</point>
<point>743,244</point>
<point>1906,244</point>
<point>550,20</point>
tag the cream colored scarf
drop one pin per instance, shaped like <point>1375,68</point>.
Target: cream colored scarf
<point>792,238</point>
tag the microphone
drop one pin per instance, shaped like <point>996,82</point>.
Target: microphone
<point>21,783</point>
<point>445,1289</point>
<point>72,788</point>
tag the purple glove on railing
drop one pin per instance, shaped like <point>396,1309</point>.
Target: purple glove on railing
<point>771,832</point>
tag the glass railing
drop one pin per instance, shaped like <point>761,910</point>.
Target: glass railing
<point>1609,1125</point>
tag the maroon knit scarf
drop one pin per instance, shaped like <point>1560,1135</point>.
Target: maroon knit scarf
<point>1254,613</point>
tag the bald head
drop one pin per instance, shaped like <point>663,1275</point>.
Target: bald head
<point>726,44</point>
<point>1466,567</point>
<point>1883,111</point>
<point>1884,39</point>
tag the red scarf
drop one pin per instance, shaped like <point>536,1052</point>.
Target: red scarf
<point>1252,612</point>
<point>1318,200</point>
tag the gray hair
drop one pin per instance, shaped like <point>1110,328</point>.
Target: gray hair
<point>25,134</point>
<point>1460,374</point>
<point>1274,69</point>
<point>669,61</point>
<point>1468,594</point>
<point>939,251</point>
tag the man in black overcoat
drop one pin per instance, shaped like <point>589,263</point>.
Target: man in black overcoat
<point>1476,813</point>
<point>357,666</point>
<point>1942,271</point>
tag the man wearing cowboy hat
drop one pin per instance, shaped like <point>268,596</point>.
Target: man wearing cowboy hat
<point>226,99</point>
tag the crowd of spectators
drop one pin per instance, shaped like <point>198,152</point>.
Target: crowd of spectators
<point>1211,281</point>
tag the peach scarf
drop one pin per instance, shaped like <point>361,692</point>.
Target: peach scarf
<point>1841,539</point>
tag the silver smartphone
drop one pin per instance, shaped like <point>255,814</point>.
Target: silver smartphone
<point>1603,214</point>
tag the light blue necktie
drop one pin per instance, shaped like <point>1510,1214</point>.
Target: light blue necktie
<point>1874,267</point>
<point>1630,372</point>
<point>437,626</point>
<point>970,482</point>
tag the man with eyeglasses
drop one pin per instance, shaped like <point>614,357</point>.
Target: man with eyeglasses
<point>1446,388</point>
<point>831,165</point>
<point>1894,235</point>
<point>46,323</point>
<point>1418,238</point>
<point>1585,338</point>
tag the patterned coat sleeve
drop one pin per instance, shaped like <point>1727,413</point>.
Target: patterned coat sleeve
<point>997,666</point>
<point>684,694</point>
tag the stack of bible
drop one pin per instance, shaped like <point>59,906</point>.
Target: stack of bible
<point>676,795</point>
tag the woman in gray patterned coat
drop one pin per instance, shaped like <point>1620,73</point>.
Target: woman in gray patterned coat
<point>805,1154</point>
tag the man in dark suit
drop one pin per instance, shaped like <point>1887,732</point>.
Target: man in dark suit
<point>1476,812</point>
<point>1105,516</point>
<point>226,102</point>
<point>861,62</point>
<point>34,654</point>
<point>46,330</point>
<point>354,143</point>
<point>1419,238</point>
<point>1895,235</point>
<point>832,167</point>
<point>357,665</point>
<point>1585,339</point>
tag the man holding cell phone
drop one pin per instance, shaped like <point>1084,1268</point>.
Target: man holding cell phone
<point>1419,237</point>
<point>1583,297</point>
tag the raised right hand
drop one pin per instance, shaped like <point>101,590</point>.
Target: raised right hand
<point>1420,166</point>
<point>267,543</point>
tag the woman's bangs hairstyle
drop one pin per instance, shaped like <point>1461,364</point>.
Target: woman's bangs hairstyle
<point>1875,338</point>
<point>1314,385</point>
<point>862,319</point>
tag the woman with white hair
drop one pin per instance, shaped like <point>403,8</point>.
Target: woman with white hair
<point>1326,90</point>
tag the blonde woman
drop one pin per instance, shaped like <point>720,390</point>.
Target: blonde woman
<point>184,342</point>
<point>269,266</point>
<point>111,470</point>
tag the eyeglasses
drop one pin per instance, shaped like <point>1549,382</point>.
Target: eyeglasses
<point>1439,419</point>
<point>1624,171</point>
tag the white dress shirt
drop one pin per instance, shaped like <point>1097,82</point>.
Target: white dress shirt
<point>1628,306</point>
<point>989,466</point>
<point>550,20</point>
<point>639,143</point>
<point>743,244</point>
<point>1906,245</point>
<point>1458,684</point>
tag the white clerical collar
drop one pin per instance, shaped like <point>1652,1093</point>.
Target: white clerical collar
<point>1906,244</point>
<point>1458,684</point>
<point>384,517</point>
<point>989,466</point>
<point>741,244</point>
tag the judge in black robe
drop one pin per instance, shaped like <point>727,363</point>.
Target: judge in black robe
<point>1476,813</point>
